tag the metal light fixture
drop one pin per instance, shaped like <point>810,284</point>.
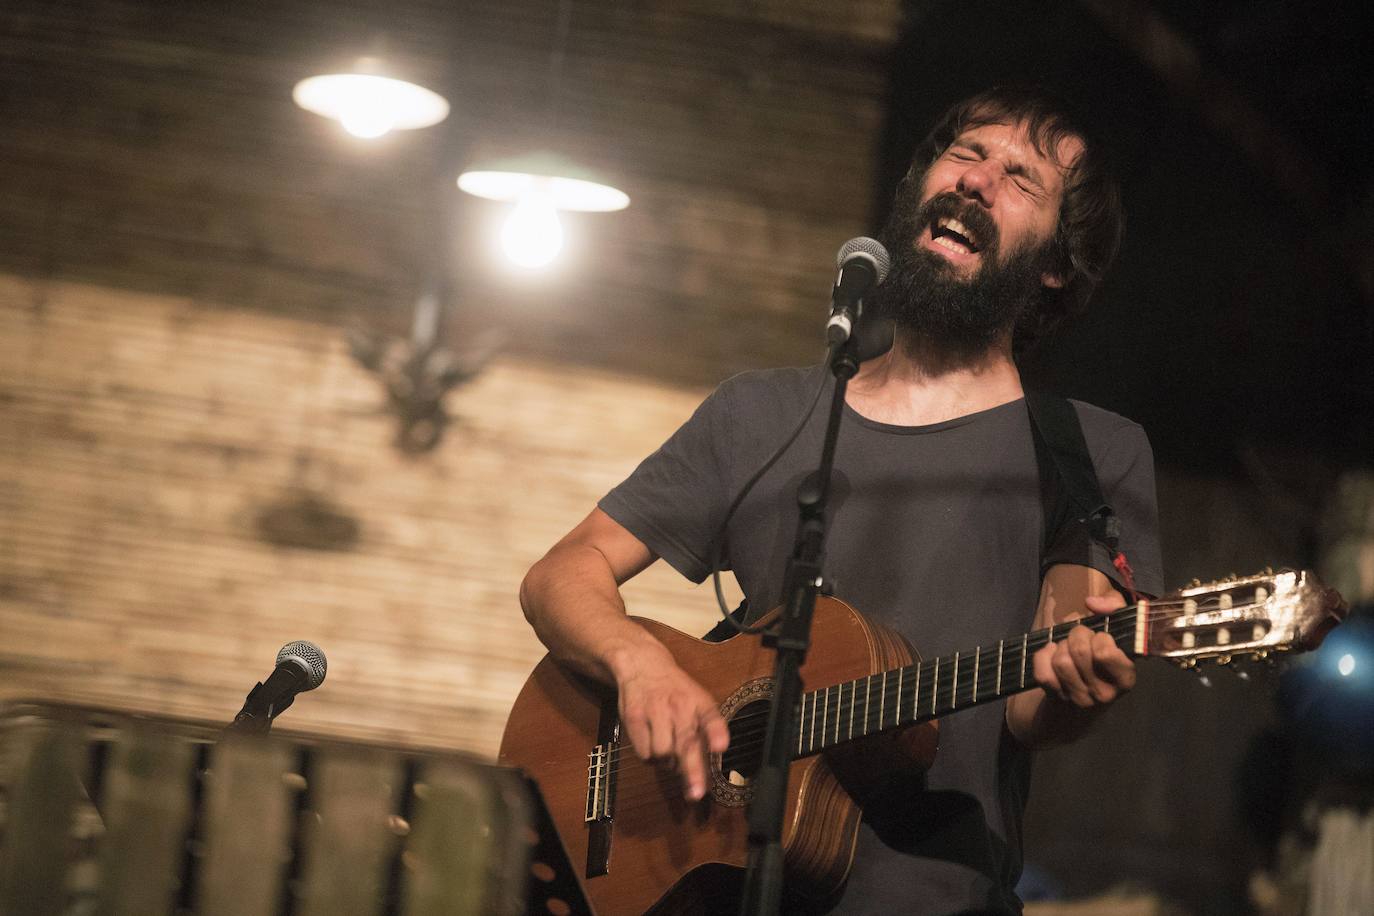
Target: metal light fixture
<point>368,103</point>
<point>417,372</point>
<point>542,183</point>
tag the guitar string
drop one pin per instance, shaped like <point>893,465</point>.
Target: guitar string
<point>753,735</point>
<point>748,741</point>
<point>1037,640</point>
<point>750,738</point>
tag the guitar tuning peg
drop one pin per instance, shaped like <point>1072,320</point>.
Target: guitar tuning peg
<point>1194,583</point>
<point>1202,678</point>
<point>1242,674</point>
<point>1223,659</point>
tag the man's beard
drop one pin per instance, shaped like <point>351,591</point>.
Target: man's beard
<point>956,317</point>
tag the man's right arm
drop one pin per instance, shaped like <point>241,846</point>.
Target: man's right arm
<point>572,599</point>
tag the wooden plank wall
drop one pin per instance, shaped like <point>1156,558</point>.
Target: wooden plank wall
<point>143,437</point>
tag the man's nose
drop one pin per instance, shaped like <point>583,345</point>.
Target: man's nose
<point>980,181</point>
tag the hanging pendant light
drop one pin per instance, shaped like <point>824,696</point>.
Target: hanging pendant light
<point>539,184</point>
<point>368,103</point>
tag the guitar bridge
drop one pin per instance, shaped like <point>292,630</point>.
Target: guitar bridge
<point>599,767</point>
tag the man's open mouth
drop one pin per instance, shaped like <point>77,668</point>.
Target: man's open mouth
<point>949,233</point>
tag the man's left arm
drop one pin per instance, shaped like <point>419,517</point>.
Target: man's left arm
<point>1080,675</point>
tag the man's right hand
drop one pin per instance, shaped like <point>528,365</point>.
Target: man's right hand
<point>572,599</point>
<point>669,717</point>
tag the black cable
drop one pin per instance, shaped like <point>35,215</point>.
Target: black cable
<point>718,545</point>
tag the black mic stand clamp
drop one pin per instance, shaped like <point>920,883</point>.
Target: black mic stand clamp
<point>803,581</point>
<point>255,718</point>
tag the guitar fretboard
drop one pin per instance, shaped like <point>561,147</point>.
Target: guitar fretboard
<point>934,687</point>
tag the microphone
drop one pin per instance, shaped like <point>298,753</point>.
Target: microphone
<point>863,264</point>
<point>301,666</point>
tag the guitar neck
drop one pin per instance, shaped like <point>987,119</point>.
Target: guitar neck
<point>935,687</point>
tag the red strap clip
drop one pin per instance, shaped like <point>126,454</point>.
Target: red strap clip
<point>1123,566</point>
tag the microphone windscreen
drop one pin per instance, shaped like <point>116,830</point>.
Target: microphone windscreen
<point>309,656</point>
<point>866,246</point>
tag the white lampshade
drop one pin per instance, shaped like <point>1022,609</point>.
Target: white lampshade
<point>564,184</point>
<point>369,105</point>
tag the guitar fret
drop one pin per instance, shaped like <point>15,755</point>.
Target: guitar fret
<point>882,702</point>
<point>801,724</point>
<point>839,705</point>
<point>1024,637</point>
<point>825,715</point>
<point>934,686</point>
<point>839,710</point>
<point>999,668</point>
<point>916,694</point>
<point>839,697</point>
<point>954,687</point>
<point>897,707</point>
<point>868,699</point>
<point>853,686</point>
<point>977,656</point>
<point>811,724</point>
<point>811,745</point>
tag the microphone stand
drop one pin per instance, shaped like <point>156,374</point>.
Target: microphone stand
<point>763,876</point>
<point>258,712</point>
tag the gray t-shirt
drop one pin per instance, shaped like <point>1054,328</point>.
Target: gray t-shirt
<point>934,531</point>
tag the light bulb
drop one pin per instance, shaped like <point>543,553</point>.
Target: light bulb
<point>1346,665</point>
<point>367,121</point>
<point>367,114</point>
<point>532,236</point>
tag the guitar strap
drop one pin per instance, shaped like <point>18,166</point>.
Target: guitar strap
<point>1069,492</point>
<point>1069,488</point>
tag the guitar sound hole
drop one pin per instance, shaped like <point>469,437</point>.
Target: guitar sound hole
<point>748,725</point>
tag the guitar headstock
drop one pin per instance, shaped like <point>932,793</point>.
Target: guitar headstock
<point>1248,615</point>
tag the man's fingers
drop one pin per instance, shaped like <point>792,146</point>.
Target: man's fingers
<point>717,732</point>
<point>691,761</point>
<point>1085,668</point>
<point>1113,667</point>
<point>661,724</point>
<point>669,718</point>
<point>635,727</point>
<point>1069,669</point>
<point>1042,666</point>
<point>1080,648</point>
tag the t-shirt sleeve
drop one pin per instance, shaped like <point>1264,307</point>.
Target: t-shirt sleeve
<point>676,499</point>
<point>1125,470</point>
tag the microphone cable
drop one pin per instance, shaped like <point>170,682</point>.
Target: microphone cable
<point>718,544</point>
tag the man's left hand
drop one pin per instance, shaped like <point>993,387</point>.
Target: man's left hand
<point>1085,668</point>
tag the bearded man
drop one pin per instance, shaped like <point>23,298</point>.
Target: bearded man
<point>937,523</point>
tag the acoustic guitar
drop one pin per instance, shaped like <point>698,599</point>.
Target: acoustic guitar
<point>870,704</point>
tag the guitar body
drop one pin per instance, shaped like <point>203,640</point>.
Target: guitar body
<point>658,850</point>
